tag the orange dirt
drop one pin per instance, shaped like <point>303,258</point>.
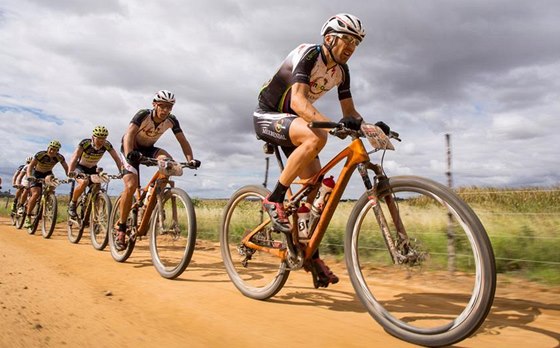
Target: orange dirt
<point>54,293</point>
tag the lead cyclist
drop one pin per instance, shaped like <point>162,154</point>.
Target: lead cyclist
<point>285,108</point>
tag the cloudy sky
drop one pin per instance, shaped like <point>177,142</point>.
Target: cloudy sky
<point>486,72</point>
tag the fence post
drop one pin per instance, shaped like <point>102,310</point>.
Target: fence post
<point>266,172</point>
<point>451,255</point>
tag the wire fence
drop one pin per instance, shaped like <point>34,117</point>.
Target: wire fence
<point>539,248</point>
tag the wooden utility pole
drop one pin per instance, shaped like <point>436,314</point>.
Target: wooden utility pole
<point>451,254</point>
<point>266,172</point>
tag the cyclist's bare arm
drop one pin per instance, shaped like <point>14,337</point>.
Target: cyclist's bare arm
<point>15,177</point>
<point>75,157</point>
<point>185,146</point>
<point>130,137</point>
<point>302,106</point>
<point>348,109</point>
<point>116,158</point>
<point>31,166</point>
<point>19,177</point>
<point>65,166</point>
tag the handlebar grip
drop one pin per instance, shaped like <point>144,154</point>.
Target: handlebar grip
<point>323,124</point>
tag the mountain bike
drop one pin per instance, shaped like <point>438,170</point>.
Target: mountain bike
<point>93,209</point>
<point>164,210</point>
<point>411,235</point>
<point>46,208</point>
<point>17,216</point>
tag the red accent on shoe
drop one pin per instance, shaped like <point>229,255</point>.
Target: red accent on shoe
<point>278,216</point>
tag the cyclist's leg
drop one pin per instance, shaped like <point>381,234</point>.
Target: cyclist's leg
<point>79,189</point>
<point>17,199</point>
<point>274,128</point>
<point>321,273</point>
<point>130,181</point>
<point>34,191</point>
<point>302,161</point>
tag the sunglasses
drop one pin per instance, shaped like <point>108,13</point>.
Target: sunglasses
<point>349,39</point>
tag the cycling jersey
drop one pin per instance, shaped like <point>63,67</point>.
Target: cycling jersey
<point>45,163</point>
<point>305,64</point>
<point>149,132</point>
<point>90,155</point>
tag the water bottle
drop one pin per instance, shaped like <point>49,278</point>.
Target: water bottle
<point>319,203</point>
<point>303,222</point>
<point>323,195</point>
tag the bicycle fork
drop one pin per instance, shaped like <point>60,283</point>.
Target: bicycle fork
<point>399,249</point>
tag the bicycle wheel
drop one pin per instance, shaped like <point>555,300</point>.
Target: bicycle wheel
<point>13,216</point>
<point>76,227</point>
<point>20,216</point>
<point>35,217</point>
<point>173,236</point>
<point>434,296</point>
<point>99,220</point>
<point>120,255</point>
<point>256,274</point>
<point>50,210</point>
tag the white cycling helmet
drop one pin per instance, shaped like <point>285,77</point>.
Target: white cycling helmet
<point>344,23</point>
<point>164,96</point>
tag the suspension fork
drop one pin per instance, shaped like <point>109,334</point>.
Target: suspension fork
<point>159,191</point>
<point>381,180</point>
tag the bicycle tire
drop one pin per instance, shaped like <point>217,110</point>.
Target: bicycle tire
<point>20,218</point>
<point>76,230</point>
<point>13,216</point>
<point>99,221</point>
<point>50,213</point>
<point>410,312</point>
<point>120,255</point>
<point>36,217</point>
<point>265,274</point>
<point>171,246</point>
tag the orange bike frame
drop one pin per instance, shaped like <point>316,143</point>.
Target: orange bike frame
<point>355,153</point>
<point>155,185</point>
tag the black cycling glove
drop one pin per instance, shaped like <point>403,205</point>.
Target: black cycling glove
<point>133,157</point>
<point>351,122</point>
<point>194,163</point>
<point>385,128</point>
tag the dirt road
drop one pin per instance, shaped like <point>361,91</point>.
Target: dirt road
<point>53,293</point>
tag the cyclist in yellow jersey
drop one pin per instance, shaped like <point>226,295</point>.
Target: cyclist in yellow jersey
<point>84,160</point>
<point>40,167</point>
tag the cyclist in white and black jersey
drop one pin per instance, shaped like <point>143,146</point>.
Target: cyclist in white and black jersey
<point>19,182</point>
<point>144,130</point>
<point>84,160</point>
<point>286,108</point>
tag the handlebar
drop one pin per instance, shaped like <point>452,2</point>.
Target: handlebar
<point>339,130</point>
<point>85,176</point>
<point>151,162</point>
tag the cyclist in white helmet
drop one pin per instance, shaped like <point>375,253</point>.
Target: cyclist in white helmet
<point>145,128</point>
<point>285,108</point>
<point>19,182</point>
<point>84,160</point>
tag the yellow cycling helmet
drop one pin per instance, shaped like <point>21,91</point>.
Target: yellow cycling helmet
<point>100,132</point>
<point>55,144</point>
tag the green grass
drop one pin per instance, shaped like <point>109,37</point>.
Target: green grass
<point>523,225</point>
